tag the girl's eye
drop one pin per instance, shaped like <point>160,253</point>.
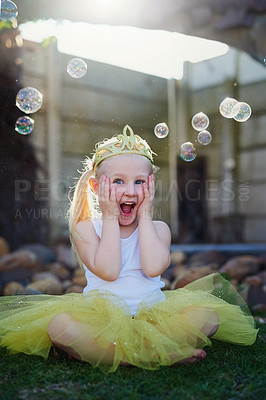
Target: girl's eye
<point>118,181</point>
<point>139,182</point>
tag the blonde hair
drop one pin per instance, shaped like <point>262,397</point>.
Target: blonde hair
<point>82,204</point>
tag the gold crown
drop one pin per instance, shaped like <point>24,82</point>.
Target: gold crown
<point>121,144</point>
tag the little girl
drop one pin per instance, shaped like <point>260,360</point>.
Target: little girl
<point>123,316</point>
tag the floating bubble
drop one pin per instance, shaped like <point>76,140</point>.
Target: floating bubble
<point>8,11</point>
<point>29,100</point>
<point>200,121</point>
<point>244,112</point>
<point>24,125</point>
<point>188,151</point>
<point>229,107</point>
<point>161,130</point>
<point>204,137</point>
<point>76,68</point>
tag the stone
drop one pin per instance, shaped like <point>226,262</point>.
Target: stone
<point>59,270</point>
<point>66,284</point>
<point>12,288</point>
<point>48,286</point>
<point>263,260</point>
<point>42,275</point>
<point>19,259</point>
<point>45,254</point>
<point>239,267</point>
<point>178,257</point>
<point>18,266</point>
<point>4,247</point>
<point>253,280</point>
<point>207,257</point>
<point>80,280</point>
<point>78,272</point>
<point>17,274</point>
<point>64,255</point>
<point>262,276</point>
<point>179,270</point>
<point>254,263</point>
<point>191,276</point>
<point>75,289</point>
<point>255,295</point>
<point>235,269</point>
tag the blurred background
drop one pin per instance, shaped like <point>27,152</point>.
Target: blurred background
<point>147,62</point>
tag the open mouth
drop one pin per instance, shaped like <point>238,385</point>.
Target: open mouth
<point>127,208</point>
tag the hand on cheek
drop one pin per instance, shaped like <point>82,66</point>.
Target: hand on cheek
<point>107,198</point>
<point>148,197</point>
<point>152,186</point>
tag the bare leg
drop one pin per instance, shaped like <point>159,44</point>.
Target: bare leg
<point>195,317</point>
<point>71,336</point>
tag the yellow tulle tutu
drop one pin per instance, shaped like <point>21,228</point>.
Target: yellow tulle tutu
<point>159,334</point>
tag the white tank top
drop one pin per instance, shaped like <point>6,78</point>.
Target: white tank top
<point>132,284</point>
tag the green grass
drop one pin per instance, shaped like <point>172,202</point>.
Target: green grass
<point>230,372</point>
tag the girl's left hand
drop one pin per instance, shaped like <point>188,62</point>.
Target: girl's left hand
<point>145,206</point>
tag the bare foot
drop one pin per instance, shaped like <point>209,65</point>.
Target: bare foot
<point>198,355</point>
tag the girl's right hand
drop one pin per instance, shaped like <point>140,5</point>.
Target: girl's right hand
<point>107,198</point>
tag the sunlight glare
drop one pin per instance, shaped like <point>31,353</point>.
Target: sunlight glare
<point>153,52</point>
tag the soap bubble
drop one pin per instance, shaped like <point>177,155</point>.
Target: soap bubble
<point>24,125</point>
<point>161,130</point>
<point>200,121</point>
<point>8,11</point>
<point>188,151</point>
<point>204,137</point>
<point>229,107</point>
<point>244,112</point>
<point>29,100</point>
<point>76,68</point>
